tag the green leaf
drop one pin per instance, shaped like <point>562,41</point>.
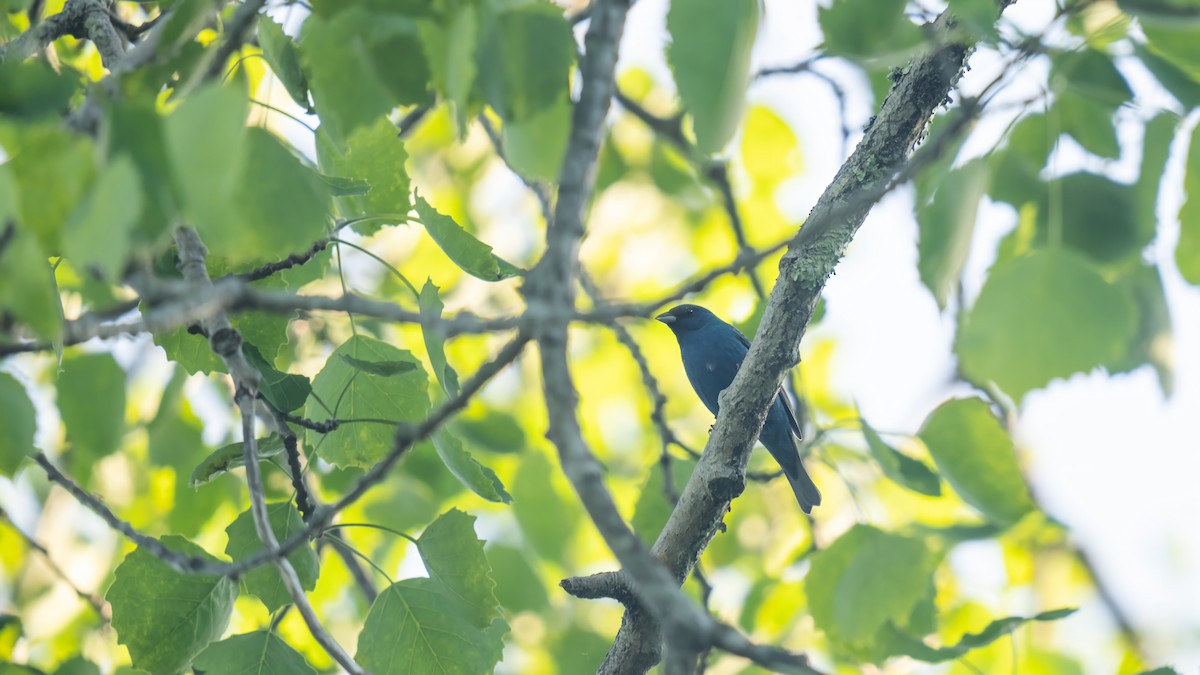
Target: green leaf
<point>450,48</point>
<point>947,226</point>
<point>18,424</point>
<point>454,558</point>
<point>1093,215</point>
<point>535,147</point>
<point>901,468</point>
<point>134,129</point>
<point>1091,74</point>
<point>229,457</point>
<point>709,53</point>
<point>346,187</point>
<point>1016,169</point>
<point>977,458</point>
<point>10,632</point>
<point>868,28</point>
<point>1156,147</point>
<point>548,520</point>
<point>28,291</point>
<point>1182,84</point>
<point>1155,344</point>
<point>492,430</point>
<point>345,87</point>
<point>977,16</point>
<point>52,170</point>
<point>373,153</point>
<point>1090,89</point>
<point>285,391</point>
<point>1187,250</point>
<point>476,477</point>
<point>525,59</point>
<point>278,206</point>
<point>353,393</point>
<point>380,368</point>
<point>258,653</point>
<point>77,665</point>
<point>430,629</point>
<point>97,234</point>
<point>865,579</point>
<point>653,508</point>
<point>247,195</point>
<point>519,588</point>
<point>993,631</point>
<point>1089,123</point>
<point>470,254</point>
<point>264,581</point>
<point>165,618</point>
<point>31,89</point>
<point>91,398</point>
<point>1071,320</point>
<point>189,350</point>
<point>284,57</point>
<point>206,141</point>
<point>435,339</point>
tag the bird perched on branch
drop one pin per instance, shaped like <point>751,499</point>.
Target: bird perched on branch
<point>712,352</point>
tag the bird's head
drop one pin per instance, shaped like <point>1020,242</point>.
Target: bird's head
<point>687,318</point>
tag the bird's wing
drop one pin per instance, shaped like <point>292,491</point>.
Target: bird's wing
<point>781,395</point>
<point>791,414</point>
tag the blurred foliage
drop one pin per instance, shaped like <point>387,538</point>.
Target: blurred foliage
<point>297,144</point>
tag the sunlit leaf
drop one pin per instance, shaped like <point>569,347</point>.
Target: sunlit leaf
<point>31,89</point>
<point>947,226</point>
<point>431,629</point>
<point>91,398</point>
<point>229,457</point>
<point>473,256</point>
<point>976,456</point>
<point>258,653</point>
<point>476,477</point>
<point>993,631</point>
<point>264,581</point>
<point>454,557</point>
<point>547,519</point>
<point>904,470</point>
<point>868,28</point>
<point>1187,250</point>
<point>866,579</point>
<point>165,617</point>
<point>375,154</point>
<point>283,55</point>
<point>1070,320</point>
<point>375,401</point>
<point>97,234</point>
<point>17,424</point>
<point>710,56</point>
<point>380,368</point>
<point>524,59</point>
<point>435,339</point>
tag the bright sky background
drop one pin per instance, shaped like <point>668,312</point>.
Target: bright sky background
<point>1106,455</point>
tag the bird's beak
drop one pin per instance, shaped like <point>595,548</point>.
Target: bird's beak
<point>666,318</point>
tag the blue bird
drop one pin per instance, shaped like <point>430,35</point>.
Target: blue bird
<point>712,352</point>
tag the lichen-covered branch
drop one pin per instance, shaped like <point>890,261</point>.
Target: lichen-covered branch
<point>719,476</point>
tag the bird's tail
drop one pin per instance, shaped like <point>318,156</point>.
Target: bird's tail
<point>806,490</point>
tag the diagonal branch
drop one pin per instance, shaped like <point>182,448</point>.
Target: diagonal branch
<point>550,289</point>
<point>877,164</point>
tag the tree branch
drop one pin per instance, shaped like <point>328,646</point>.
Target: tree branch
<point>227,344</point>
<point>78,18</point>
<point>877,164</point>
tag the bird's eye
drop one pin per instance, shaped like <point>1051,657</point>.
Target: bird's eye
<point>688,310</point>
